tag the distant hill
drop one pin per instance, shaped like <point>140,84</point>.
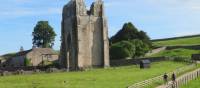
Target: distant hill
<point>183,46</point>
<point>172,38</point>
<point>178,41</point>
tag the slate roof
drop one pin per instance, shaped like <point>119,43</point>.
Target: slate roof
<point>145,61</point>
<point>45,51</point>
<point>41,50</point>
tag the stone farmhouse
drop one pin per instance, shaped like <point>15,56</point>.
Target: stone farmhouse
<point>35,57</point>
<point>85,41</point>
<point>2,60</point>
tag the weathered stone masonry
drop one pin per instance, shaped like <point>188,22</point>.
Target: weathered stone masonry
<point>85,41</point>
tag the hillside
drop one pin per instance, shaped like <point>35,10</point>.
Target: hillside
<point>178,41</point>
<point>178,46</point>
<point>180,52</point>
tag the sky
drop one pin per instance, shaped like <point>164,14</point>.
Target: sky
<point>159,18</point>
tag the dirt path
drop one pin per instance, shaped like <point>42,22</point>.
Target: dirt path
<point>162,86</point>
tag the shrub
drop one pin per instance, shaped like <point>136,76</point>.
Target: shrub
<point>130,32</point>
<point>53,64</point>
<point>122,50</point>
<point>139,42</point>
<point>141,48</point>
<point>27,62</point>
<point>132,48</point>
<point>181,59</point>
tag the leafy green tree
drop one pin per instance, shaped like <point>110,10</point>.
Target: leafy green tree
<point>128,32</point>
<point>43,35</point>
<point>122,50</point>
<point>141,48</point>
<point>145,38</point>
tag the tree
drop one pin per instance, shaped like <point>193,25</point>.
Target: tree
<point>128,32</point>
<point>134,48</point>
<point>122,50</point>
<point>145,38</point>
<point>43,35</point>
<point>139,39</point>
<point>141,47</point>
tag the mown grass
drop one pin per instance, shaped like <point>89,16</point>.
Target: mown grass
<point>192,84</point>
<point>178,42</point>
<point>118,77</point>
<point>180,52</point>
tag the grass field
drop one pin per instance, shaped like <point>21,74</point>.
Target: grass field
<point>177,52</point>
<point>180,52</point>
<point>178,42</point>
<point>192,84</point>
<point>119,77</point>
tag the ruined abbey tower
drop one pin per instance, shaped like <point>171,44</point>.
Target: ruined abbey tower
<point>85,41</point>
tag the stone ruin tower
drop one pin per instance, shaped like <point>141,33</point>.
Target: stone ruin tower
<point>85,42</point>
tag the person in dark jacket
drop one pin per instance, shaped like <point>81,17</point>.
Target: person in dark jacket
<point>174,80</point>
<point>165,78</point>
<point>173,77</point>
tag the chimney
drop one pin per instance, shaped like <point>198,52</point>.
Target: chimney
<point>21,49</point>
<point>33,47</point>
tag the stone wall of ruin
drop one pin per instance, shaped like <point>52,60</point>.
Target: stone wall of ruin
<point>84,36</point>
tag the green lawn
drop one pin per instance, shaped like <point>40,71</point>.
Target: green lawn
<point>119,77</point>
<point>178,42</point>
<point>177,52</point>
<point>192,84</point>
